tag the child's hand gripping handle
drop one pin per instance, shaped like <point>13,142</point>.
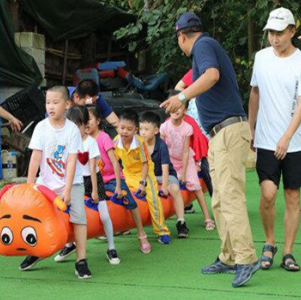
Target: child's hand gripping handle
<point>139,195</point>
<point>162,195</point>
<point>120,201</point>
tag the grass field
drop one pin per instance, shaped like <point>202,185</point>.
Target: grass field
<point>168,272</point>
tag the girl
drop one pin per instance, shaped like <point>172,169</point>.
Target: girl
<point>112,175</point>
<point>176,134</point>
<point>93,182</point>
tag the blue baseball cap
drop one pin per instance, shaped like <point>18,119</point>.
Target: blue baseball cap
<point>187,20</point>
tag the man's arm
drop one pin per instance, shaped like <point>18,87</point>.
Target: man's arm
<point>113,119</point>
<point>253,110</point>
<point>200,86</point>
<point>284,141</point>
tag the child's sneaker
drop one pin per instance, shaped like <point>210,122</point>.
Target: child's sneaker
<point>189,209</point>
<point>65,252</point>
<point>113,257</point>
<point>182,229</point>
<point>29,262</point>
<point>81,269</point>
<point>164,239</point>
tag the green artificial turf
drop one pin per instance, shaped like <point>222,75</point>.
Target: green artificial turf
<point>168,272</point>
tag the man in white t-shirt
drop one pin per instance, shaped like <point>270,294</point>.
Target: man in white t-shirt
<point>274,106</point>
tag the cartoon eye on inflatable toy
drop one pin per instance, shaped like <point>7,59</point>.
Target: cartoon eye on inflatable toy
<point>29,236</point>
<point>6,236</point>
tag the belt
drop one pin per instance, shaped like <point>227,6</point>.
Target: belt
<point>225,123</point>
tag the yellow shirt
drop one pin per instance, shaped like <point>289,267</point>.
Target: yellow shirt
<point>133,158</point>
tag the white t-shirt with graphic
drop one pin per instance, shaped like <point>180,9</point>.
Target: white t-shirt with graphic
<point>56,144</point>
<point>91,150</point>
<point>278,80</point>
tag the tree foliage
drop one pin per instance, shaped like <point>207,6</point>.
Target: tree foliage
<point>236,24</point>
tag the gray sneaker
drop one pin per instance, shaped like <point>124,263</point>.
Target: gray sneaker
<point>244,273</point>
<point>218,267</point>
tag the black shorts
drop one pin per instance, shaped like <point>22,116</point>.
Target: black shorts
<point>270,168</point>
<point>100,187</point>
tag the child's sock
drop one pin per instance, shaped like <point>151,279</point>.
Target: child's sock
<point>68,245</point>
<point>107,223</point>
<point>180,219</point>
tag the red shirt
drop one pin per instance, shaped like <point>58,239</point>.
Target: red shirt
<point>187,78</point>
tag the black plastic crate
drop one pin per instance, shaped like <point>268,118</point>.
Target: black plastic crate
<point>27,105</point>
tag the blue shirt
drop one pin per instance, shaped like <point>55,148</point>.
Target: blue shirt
<point>160,156</point>
<point>104,108</point>
<point>223,100</point>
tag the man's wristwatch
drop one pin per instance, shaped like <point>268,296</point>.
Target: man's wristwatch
<point>143,182</point>
<point>182,98</point>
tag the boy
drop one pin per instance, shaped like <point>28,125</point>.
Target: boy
<point>164,171</point>
<point>56,142</point>
<point>138,170</point>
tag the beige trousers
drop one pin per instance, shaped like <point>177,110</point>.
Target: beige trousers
<point>228,151</point>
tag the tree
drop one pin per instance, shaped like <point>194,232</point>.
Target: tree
<point>236,24</point>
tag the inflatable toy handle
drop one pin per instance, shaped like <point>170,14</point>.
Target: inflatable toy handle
<point>139,195</point>
<point>52,197</point>
<point>182,185</point>
<point>161,194</point>
<point>119,201</point>
<point>5,189</point>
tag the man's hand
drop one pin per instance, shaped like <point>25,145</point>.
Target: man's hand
<point>15,124</point>
<point>252,141</point>
<point>282,147</point>
<point>172,104</point>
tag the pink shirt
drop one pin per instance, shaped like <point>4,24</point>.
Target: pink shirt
<point>175,138</point>
<point>105,144</point>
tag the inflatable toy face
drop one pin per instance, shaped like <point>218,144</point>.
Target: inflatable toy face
<point>29,224</point>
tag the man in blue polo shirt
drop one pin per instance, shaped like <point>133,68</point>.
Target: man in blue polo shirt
<point>222,115</point>
<point>87,93</point>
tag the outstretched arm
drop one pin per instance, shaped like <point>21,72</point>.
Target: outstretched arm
<point>200,86</point>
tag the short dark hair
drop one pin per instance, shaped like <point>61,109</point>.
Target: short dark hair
<point>87,87</point>
<point>60,89</point>
<point>78,114</point>
<point>150,117</point>
<point>130,115</point>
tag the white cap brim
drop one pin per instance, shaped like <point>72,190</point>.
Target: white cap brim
<point>276,25</point>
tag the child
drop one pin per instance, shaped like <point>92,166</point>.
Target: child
<point>112,175</point>
<point>164,171</point>
<point>139,170</point>
<point>56,142</point>
<point>177,134</point>
<point>93,182</point>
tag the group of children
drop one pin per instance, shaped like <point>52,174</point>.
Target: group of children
<point>76,158</point>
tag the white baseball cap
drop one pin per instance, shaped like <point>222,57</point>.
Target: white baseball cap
<point>279,19</point>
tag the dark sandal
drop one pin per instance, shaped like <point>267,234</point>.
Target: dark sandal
<point>268,259</point>
<point>289,265</point>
